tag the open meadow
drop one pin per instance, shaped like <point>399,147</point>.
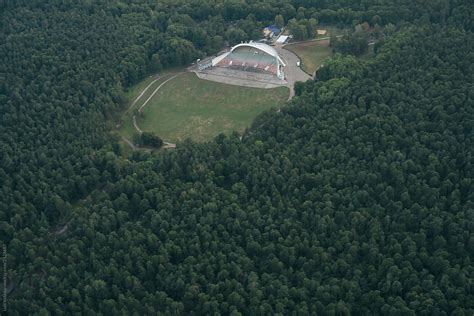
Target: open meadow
<point>185,106</point>
<point>311,53</point>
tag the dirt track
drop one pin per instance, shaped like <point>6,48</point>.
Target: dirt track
<point>140,109</point>
<point>142,93</point>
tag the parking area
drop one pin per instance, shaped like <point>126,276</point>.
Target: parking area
<point>292,71</point>
<point>247,78</point>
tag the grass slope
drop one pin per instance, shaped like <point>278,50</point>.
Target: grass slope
<point>312,54</point>
<point>126,126</point>
<point>132,92</point>
<point>189,107</point>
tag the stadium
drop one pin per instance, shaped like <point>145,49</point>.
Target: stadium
<point>252,56</point>
<point>249,64</point>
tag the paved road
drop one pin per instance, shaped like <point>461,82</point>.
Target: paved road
<point>241,78</point>
<point>293,73</point>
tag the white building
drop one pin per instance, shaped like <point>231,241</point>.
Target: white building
<point>252,56</point>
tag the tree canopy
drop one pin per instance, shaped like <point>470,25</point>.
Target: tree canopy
<point>355,198</point>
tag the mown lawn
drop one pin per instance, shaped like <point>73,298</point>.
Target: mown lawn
<point>126,123</point>
<point>189,107</point>
<point>132,92</point>
<point>312,54</point>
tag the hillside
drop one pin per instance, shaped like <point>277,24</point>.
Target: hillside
<point>355,198</point>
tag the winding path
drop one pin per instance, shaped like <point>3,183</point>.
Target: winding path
<point>142,93</point>
<point>136,125</point>
<point>165,144</point>
<point>129,143</point>
<point>140,109</point>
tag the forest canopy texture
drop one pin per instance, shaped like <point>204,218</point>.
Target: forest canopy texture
<point>356,198</point>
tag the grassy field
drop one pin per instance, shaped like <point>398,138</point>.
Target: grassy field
<point>135,90</point>
<point>312,54</point>
<point>332,30</point>
<point>126,126</point>
<point>132,92</point>
<point>189,107</point>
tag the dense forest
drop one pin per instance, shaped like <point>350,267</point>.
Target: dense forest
<point>356,198</point>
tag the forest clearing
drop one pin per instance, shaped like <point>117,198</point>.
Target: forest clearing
<point>188,107</point>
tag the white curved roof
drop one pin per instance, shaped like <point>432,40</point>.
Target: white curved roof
<point>260,46</point>
<point>263,47</point>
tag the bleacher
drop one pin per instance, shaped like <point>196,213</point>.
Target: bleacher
<point>250,59</point>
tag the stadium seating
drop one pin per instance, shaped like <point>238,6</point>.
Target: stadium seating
<point>250,59</point>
